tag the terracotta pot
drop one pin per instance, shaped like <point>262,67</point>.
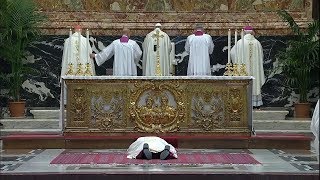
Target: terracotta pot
<point>17,109</point>
<point>302,110</point>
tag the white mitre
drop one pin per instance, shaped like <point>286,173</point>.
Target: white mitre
<point>158,25</point>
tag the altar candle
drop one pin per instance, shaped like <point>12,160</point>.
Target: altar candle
<point>236,48</point>
<point>229,45</point>
<point>79,47</point>
<point>242,44</point>
<point>88,45</point>
<point>70,46</point>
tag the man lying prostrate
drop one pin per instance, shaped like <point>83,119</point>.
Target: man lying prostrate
<point>151,148</point>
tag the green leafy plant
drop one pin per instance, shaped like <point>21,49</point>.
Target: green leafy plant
<point>19,20</point>
<point>300,60</point>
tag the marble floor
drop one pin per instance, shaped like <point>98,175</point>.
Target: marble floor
<point>271,161</point>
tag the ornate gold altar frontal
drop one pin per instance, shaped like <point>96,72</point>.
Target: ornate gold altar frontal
<point>159,105</point>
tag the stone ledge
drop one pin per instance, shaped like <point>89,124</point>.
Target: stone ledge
<point>281,125</point>
<point>307,132</point>
<point>269,114</point>
<point>45,114</point>
<point>30,123</point>
<point>5,132</point>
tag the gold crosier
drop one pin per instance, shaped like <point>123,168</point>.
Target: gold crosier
<point>158,36</point>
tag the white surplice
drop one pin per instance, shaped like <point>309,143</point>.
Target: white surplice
<point>149,62</point>
<point>71,54</point>
<point>253,59</point>
<point>126,57</point>
<point>199,48</point>
<point>315,128</point>
<point>156,145</point>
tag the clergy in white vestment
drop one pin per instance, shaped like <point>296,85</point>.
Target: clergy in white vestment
<point>315,128</point>
<point>76,54</point>
<point>156,53</point>
<point>151,147</point>
<point>75,57</point>
<point>253,60</point>
<point>199,46</point>
<point>126,52</point>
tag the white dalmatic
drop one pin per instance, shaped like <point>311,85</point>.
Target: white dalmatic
<point>126,57</point>
<point>253,59</point>
<point>315,128</point>
<point>72,54</point>
<point>150,53</point>
<point>156,145</point>
<point>199,49</point>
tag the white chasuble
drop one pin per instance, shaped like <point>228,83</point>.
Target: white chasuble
<point>76,55</point>
<point>126,57</point>
<point>156,54</point>
<point>156,145</point>
<point>199,49</point>
<point>253,59</point>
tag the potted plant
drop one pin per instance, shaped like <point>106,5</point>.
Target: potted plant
<point>19,21</point>
<point>300,61</point>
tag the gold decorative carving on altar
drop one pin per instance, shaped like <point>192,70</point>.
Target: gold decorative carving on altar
<point>235,106</point>
<point>78,109</point>
<point>207,111</point>
<point>108,112</point>
<point>157,107</point>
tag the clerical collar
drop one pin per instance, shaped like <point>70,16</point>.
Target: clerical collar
<point>198,33</point>
<point>124,39</point>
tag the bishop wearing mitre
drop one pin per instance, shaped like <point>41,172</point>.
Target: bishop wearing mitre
<point>253,60</point>
<point>75,58</point>
<point>156,53</point>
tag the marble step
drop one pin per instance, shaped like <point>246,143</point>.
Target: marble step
<point>5,132</point>
<point>30,123</point>
<point>264,114</point>
<point>268,114</point>
<point>45,113</point>
<point>282,125</point>
<point>269,131</point>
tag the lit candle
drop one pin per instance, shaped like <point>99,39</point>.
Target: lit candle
<point>79,47</point>
<point>235,46</point>
<point>242,44</point>
<point>229,44</point>
<point>70,47</point>
<point>88,45</point>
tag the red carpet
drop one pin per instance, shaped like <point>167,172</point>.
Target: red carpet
<point>183,158</point>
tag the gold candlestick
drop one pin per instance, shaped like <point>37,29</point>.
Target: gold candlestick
<point>79,70</point>
<point>88,71</point>
<point>243,70</point>
<point>235,70</point>
<point>70,70</point>
<point>228,71</point>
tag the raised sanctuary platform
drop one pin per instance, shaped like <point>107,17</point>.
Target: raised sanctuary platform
<point>159,105</point>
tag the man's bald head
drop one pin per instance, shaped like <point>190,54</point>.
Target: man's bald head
<point>199,26</point>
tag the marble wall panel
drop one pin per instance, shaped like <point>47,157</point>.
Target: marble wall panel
<point>45,55</point>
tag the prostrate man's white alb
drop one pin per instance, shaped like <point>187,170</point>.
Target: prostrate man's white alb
<point>156,145</point>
